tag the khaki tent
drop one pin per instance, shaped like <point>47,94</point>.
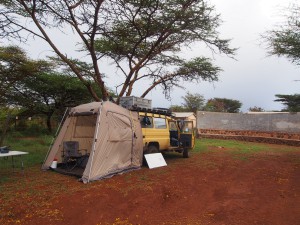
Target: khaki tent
<point>110,134</point>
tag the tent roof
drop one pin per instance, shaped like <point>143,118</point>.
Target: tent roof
<point>92,108</point>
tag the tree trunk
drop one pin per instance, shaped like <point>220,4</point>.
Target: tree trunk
<point>49,116</point>
<point>6,125</point>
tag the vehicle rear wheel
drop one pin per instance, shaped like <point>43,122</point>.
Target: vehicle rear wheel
<point>186,153</point>
<point>151,149</point>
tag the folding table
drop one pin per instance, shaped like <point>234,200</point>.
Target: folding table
<point>12,154</point>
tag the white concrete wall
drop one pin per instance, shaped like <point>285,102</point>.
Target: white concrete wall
<point>269,122</point>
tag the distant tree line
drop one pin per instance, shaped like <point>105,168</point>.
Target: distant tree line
<point>196,102</point>
<point>38,87</point>
<point>291,102</point>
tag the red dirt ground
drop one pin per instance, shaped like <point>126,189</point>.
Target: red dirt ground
<point>215,187</point>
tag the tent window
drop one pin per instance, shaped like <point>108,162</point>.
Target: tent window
<point>85,126</point>
<point>119,127</point>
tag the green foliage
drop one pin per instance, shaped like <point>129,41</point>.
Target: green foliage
<point>223,105</point>
<point>37,146</point>
<point>292,102</point>
<point>178,108</point>
<point>193,102</point>
<point>256,109</point>
<point>143,38</point>
<point>285,40</point>
<point>40,90</point>
<point>148,35</point>
<point>15,66</point>
<point>240,150</point>
<point>4,111</point>
<point>36,96</point>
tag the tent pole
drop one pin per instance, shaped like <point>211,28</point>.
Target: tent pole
<point>95,140</point>
<point>133,134</point>
<point>58,129</point>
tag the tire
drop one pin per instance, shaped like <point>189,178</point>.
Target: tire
<point>186,153</point>
<point>151,149</point>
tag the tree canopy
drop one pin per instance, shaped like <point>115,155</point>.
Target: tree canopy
<point>285,39</point>
<point>145,37</point>
<point>142,37</point>
<point>292,102</point>
<point>47,94</point>
<point>36,86</point>
<point>223,105</point>
<point>256,109</point>
<point>193,102</point>
<point>15,66</point>
<point>178,108</point>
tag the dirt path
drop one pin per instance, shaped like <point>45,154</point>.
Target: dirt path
<point>215,187</point>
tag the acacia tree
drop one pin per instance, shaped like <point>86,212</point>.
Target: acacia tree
<point>15,66</point>
<point>36,86</point>
<point>193,102</point>
<point>144,34</point>
<point>144,40</point>
<point>47,94</point>
<point>285,40</point>
<point>256,109</point>
<point>22,19</point>
<point>223,105</point>
<point>177,108</point>
<point>292,102</point>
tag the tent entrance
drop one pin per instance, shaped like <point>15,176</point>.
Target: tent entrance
<point>73,166</point>
<point>77,171</point>
<point>76,144</point>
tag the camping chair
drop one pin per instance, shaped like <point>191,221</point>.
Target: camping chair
<point>72,156</point>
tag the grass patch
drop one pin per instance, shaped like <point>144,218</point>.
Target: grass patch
<point>240,146</point>
<point>201,145</point>
<point>240,149</point>
<point>36,146</point>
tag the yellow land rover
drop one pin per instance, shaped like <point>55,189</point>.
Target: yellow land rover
<point>161,132</point>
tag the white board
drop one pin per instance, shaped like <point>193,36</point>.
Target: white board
<point>155,160</point>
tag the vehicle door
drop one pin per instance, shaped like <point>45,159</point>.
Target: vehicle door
<point>187,137</point>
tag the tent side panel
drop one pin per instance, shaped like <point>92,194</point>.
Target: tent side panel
<point>137,157</point>
<point>88,168</point>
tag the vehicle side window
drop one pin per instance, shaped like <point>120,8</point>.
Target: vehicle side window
<point>160,123</point>
<point>146,122</point>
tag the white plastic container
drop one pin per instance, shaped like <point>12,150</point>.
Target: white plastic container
<point>54,164</point>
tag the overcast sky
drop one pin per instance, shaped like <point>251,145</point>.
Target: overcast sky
<point>252,78</point>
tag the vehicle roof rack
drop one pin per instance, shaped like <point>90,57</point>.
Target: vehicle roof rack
<point>161,111</point>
